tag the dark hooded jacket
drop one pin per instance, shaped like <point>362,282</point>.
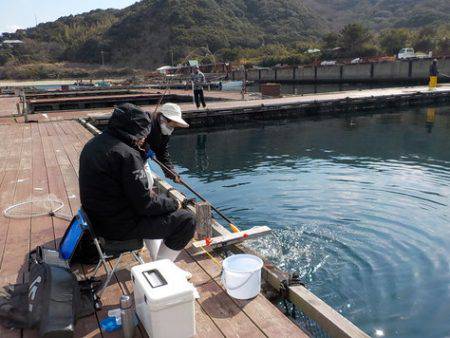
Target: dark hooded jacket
<point>113,185</point>
<point>434,69</point>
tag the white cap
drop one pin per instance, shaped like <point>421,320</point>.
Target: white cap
<point>172,112</point>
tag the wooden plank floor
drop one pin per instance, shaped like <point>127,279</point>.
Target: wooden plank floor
<point>8,105</point>
<point>39,159</point>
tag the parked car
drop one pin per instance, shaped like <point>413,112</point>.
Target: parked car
<point>328,63</point>
<point>406,53</point>
<point>356,61</point>
<point>421,55</point>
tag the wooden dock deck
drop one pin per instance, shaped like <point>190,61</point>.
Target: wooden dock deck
<point>99,101</point>
<point>38,159</point>
<point>81,93</point>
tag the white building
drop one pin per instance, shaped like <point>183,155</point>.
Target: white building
<point>11,43</point>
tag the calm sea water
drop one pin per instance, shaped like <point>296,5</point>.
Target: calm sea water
<point>359,206</point>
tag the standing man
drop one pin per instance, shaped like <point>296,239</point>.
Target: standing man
<point>433,75</point>
<point>198,80</point>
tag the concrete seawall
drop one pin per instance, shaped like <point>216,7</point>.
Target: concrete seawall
<point>398,71</point>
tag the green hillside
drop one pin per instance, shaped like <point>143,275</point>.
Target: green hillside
<point>380,14</point>
<point>152,32</point>
<point>146,33</point>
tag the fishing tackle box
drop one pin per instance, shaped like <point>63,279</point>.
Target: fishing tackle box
<point>164,299</point>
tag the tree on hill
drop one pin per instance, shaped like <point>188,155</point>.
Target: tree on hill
<point>330,40</point>
<point>424,39</point>
<point>355,40</point>
<point>392,40</point>
<point>443,46</point>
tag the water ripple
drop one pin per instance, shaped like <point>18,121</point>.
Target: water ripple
<point>363,214</point>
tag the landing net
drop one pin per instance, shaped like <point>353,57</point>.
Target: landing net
<point>35,206</point>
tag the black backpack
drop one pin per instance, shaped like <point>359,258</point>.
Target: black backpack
<point>51,301</point>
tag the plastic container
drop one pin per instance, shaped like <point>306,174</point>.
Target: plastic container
<point>164,300</point>
<point>241,276</point>
<point>110,324</point>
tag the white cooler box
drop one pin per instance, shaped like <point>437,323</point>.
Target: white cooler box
<point>164,300</point>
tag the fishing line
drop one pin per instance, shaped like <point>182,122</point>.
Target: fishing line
<point>212,257</point>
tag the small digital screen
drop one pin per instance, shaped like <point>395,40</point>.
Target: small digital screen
<point>154,278</point>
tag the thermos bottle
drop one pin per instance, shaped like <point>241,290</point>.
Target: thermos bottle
<point>127,315</point>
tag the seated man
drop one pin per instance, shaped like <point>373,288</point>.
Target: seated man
<point>114,188</point>
<point>164,122</point>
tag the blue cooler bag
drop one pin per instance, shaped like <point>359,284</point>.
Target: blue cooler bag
<point>77,244</point>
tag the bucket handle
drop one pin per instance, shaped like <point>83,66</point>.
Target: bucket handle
<point>222,279</point>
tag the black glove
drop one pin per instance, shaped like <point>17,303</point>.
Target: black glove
<point>187,201</point>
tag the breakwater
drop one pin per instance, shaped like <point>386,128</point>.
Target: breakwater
<point>403,71</point>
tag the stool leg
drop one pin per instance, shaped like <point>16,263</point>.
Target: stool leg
<point>102,258</point>
<point>137,257</point>
<point>97,267</point>
<point>109,276</point>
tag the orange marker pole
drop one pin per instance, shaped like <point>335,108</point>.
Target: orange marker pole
<point>233,227</point>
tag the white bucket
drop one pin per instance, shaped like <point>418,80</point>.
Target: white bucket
<point>241,276</point>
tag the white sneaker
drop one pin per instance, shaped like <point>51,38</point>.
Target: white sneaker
<point>153,246</point>
<point>165,252</point>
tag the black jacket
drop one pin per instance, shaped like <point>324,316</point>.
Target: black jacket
<point>113,185</point>
<point>434,69</point>
<point>159,144</point>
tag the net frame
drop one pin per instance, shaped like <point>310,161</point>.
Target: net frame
<point>34,207</point>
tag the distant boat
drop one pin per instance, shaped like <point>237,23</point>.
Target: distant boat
<point>103,84</point>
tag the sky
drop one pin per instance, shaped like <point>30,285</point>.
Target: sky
<point>15,14</point>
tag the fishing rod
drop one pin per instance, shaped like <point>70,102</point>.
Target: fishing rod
<point>162,97</point>
<point>170,171</point>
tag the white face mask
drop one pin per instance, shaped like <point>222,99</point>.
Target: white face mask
<point>165,129</point>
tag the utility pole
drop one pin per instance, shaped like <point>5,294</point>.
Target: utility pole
<point>103,57</point>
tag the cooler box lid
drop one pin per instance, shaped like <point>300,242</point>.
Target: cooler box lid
<point>163,284</point>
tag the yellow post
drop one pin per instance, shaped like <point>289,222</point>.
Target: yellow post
<point>433,82</point>
<point>431,115</point>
